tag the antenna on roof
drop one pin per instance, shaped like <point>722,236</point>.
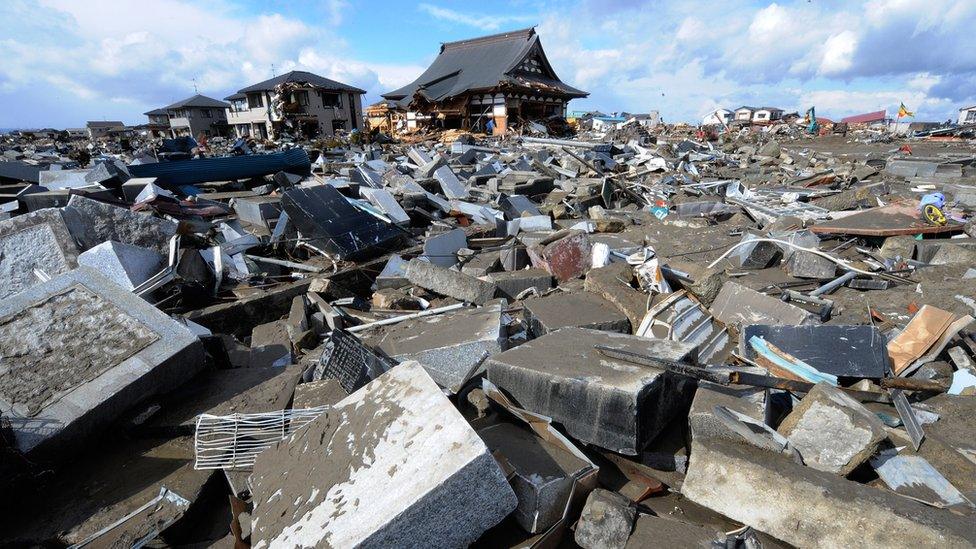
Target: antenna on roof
<point>273,71</point>
<point>195,90</point>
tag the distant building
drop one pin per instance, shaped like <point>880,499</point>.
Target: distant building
<point>744,114</point>
<point>297,102</point>
<point>765,115</point>
<point>967,115</point>
<point>158,125</point>
<point>868,118</point>
<point>502,77</point>
<point>606,123</point>
<point>648,120</point>
<point>102,128</point>
<point>198,115</point>
<point>717,118</point>
<point>757,115</point>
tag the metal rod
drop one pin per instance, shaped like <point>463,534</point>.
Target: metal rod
<point>834,284</point>
<point>397,319</point>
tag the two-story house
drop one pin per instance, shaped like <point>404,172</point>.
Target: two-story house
<point>757,115</point>
<point>102,128</point>
<point>194,116</point>
<point>158,125</point>
<point>299,103</point>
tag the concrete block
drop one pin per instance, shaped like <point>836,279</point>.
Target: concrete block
<point>566,255</point>
<point>394,274</point>
<point>542,473</point>
<point>605,522</point>
<point>512,283</point>
<point>832,431</point>
<point>318,393</point>
<point>757,255</point>
<point>610,403</point>
<point>810,508</point>
<point>702,422</point>
<point>738,305</point>
<point>126,265</point>
<point>392,465</point>
<point>902,246</point>
<point>261,211</point>
<point>808,265</point>
<point>450,283</point>
<point>451,346</point>
<point>954,254</point>
<point>382,199</point>
<point>482,264</point>
<point>271,343</point>
<point>707,282</point>
<point>91,223</point>
<point>613,284</point>
<point>78,351</point>
<point>441,249</point>
<point>36,240</point>
<point>655,531</point>
<point>580,309</point>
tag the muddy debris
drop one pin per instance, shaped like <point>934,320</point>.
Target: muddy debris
<point>756,337</point>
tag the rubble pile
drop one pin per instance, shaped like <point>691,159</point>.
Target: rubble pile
<point>620,340</point>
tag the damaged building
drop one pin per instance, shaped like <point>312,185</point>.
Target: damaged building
<point>193,116</point>
<point>504,78</point>
<point>298,103</point>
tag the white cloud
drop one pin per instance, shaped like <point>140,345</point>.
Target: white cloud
<point>479,21</point>
<point>682,57</point>
<point>123,53</point>
<point>838,53</point>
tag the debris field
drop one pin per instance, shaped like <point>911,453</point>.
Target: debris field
<point>628,338</point>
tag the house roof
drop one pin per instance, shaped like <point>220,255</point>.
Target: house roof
<point>481,64</point>
<point>769,109</point>
<point>235,96</point>
<point>198,101</point>
<point>301,76</point>
<point>747,108</point>
<point>967,108</point>
<point>865,118</point>
<point>156,112</point>
<point>104,124</point>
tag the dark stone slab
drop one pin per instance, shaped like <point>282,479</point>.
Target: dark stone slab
<point>334,225</point>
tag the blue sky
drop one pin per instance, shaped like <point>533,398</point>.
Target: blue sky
<point>68,61</point>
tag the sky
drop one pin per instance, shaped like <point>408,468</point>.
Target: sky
<point>63,62</point>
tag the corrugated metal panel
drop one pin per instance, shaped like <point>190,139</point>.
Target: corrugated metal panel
<point>202,170</point>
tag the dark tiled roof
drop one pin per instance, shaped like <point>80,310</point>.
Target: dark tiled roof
<point>104,124</point>
<point>235,96</point>
<point>198,101</point>
<point>156,112</point>
<point>301,76</point>
<point>481,64</point>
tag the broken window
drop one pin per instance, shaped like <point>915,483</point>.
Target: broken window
<point>331,99</point>
<point>207,113</point>
<point>255,100</point>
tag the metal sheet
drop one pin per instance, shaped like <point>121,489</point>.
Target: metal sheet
<point>202,170</point>
<point>845,351</point>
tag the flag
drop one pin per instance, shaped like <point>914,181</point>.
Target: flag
<point>903,111</point>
